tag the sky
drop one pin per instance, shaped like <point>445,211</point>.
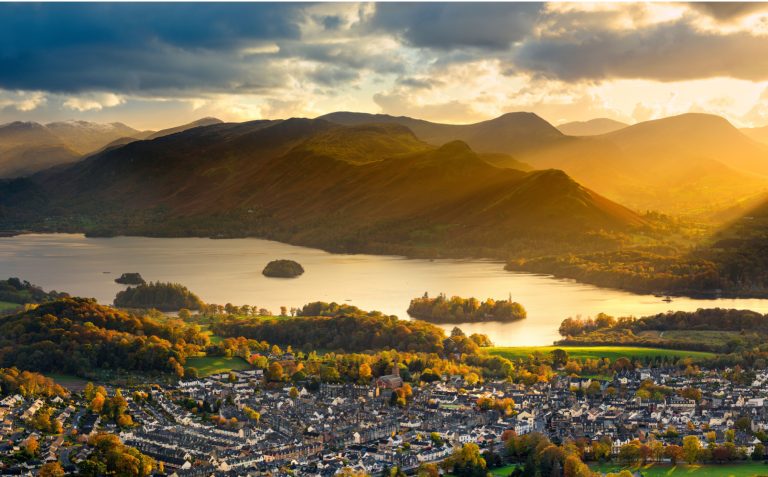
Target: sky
<point>156,65</point>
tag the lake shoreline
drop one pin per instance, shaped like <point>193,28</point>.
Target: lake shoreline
<point>414,253</point>
<point>230,271</point>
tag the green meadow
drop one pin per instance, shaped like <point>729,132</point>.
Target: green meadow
<point>207,365</point>
<point>744,469</point>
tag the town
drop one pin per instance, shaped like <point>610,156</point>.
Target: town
<point>321,429</point>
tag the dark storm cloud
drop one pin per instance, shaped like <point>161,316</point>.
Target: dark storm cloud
<point>327,75</point>
<point>445,26</point>
<point>666,52</point>
<point>331,22</point>
<point>134,47</point>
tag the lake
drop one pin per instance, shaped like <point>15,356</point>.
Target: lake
<point>222,271</point>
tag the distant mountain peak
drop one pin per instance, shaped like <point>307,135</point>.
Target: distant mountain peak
<point>591,127</point>
<point>455,147</point>
<point>22,125</point>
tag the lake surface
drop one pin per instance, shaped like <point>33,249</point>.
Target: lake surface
<point>222,271</point>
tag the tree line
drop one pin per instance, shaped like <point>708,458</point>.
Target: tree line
<point>158,295</point>
<point>464,310</point>
<point>76,335</point>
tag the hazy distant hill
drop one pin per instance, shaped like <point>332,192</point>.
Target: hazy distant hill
<point>691,137</point>
<point>84,136</point>
<point>372,187</point>
<point>593,127</point>
<point>27,147</point>
<point>757,134</point>
<point>184,127</point>
<point>693,163</point>
<point>512,133</point>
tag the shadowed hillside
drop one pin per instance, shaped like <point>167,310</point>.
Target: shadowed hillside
<point>367,187</point>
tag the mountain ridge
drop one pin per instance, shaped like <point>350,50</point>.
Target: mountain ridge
<point>269,178</point>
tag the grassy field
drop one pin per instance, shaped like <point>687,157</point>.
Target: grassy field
<point>5,305</point>
<point>745,469</point>
<point>207,365</point>
<point>592,352</point>
<point>73,383</point>
<point>502,471</point>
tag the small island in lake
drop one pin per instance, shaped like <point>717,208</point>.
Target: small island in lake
<point>464,310</point>
<point>283,269</point>
<point>162,296</point>
<point>130,279</point>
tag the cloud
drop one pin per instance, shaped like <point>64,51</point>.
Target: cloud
<point>22,101</point>
<point>444,26</point>
<point>131,47</point>
<point>454,111</point>
<point>728,11</point>
<point>666,52</point>
<point>93,101</point>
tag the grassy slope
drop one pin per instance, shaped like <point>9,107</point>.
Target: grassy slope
<point>207,365</point>
<point>592,352</point>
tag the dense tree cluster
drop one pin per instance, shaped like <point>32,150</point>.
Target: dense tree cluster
<point>76,335</point>
<point>321,308</point>
<point>29,384</point>
<point>467,462</point>
<point>605,329</point>
<point>43,422</point>
<point>110,408</point>
<point>130,278</point>
<point>162,296</point>
<point>539,456</point>
<point>464,310</point>
<point>14,290</point>
<point>283,269</point>
<point>357,332</point>
<point>718,319</point>
<point>633,270</point>
<point>111,457</point>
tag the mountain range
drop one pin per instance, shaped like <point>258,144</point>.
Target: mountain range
<point>511,188</point>
<point>593,127</point>
<point>692,163</point>
<point>29,147</point>
<point>374,187</point>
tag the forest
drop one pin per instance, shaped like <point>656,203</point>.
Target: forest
<point>638,271</point>
<point>706,329</point>
<point>16,291</point>
<point>464,310</point>
<point>331,326</point>
<point>712,319</point>
<point>357,332</point>
<point>161,296</point>
<point>28,384</point>
<point>77,335</point>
